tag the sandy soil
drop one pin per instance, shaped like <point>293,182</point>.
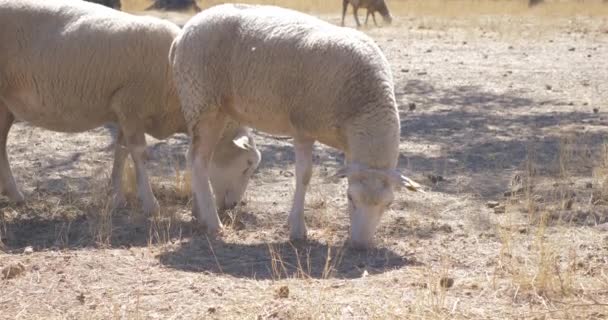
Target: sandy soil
<point>505,109</point>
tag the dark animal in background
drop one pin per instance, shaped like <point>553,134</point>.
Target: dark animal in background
<point>115,4</point>
<point>174,5</point>
<point>372,6</point>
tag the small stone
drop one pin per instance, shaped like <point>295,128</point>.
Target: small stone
<point>80,298</point>
<point>435,178</point>
<point>571,49</point>
<point>211,309</point>
<point>492,204</point>
<point>500,209</point>
<point>411,106</point>
<point>405,70</point>
<point>464,43</point>
<point>12,271</point>
<point>548,87</point>
<point>422,73</point>
<point>283,292</point>
<point>596,110</point>
<point>510,47</point>
<point>446,282</point>
<point>589,185</point>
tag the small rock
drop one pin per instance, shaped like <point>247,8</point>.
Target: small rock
<point>596,110</point>
<point>571,49</point>
<point>464,43</point>
<point>405,70</point>
<point>435,178</point>
<point>446,228</point>
<point>548,87</point>
<point>492,204</point>
<point>589,185</point>
<point>510,47</point>
<point>570,103</point>
<point>28,250</point>
<point>585,103</point>
<point>411,106</point>
<point>500,209</point>
<point>446,282</point>
<point>428,51</point>
<point>13,270</point>
<point>80,298</point>
<point>211,309</point>
<point>588,56</point>
<point>523,230</point>
<point>422,73</point>
<point>283,292</point>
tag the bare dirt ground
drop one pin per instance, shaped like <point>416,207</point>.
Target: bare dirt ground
<point>503,118</point>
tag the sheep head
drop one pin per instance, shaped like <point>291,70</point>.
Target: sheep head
<point>232,166</point>
<point>370,194</point>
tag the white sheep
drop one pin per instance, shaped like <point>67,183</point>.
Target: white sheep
<point>288,73</point>
<point>72,66</point>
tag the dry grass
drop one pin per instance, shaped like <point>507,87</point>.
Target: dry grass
<point>503,107</point>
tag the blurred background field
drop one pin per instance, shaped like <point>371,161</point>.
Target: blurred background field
<point>559,8</point>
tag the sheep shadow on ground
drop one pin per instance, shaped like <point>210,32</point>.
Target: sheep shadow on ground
<point>279,260</point>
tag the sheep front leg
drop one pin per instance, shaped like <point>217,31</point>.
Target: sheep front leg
<point>120,156</point>
<point>303,150</point>
<point>205,136</point>
<point>7,181</point>
<point>136,143</point>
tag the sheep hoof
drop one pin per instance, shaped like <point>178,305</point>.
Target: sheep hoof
<point>298,234</point>
<point>118,201</point>
<point>15,196</point>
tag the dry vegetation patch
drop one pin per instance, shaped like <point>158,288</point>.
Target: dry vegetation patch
<point>503,118</point>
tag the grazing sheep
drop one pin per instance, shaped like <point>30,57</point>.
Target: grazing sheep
<point>115,4</point>
<point>288,73</point>
<point>72,66</point>
<point>372,6</point>
<point>177,5</point>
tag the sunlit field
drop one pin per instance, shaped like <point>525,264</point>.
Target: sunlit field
<point>504,121</point>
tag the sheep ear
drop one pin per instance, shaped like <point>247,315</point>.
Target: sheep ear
<point>242,142</point>
<point>399,180</point>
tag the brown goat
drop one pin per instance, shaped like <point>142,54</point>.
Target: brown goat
<point>371,5</point>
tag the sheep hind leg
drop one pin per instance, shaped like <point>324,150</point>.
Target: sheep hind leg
<point>136,144</point>
<point>120,156</point>
<point>303,151</point>
<point>355,10</point>
<point>7,181</point>
<point>344,7</point>
<point>205,136</point>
